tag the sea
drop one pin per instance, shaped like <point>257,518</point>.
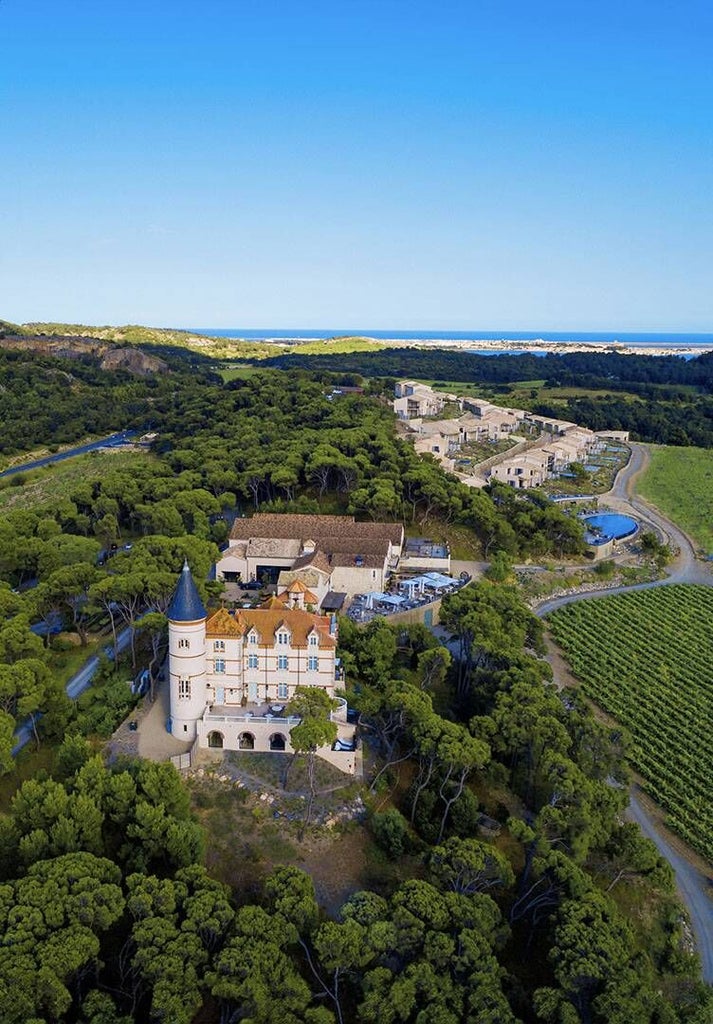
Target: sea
<point>653,340</point>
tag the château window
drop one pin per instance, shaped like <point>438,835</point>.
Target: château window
<point>313,640</point>
<point>220,664</point>
<point>219,645</point>
<point>252,660</point>
<point>283,638</point>
<point>252,639</point>
<point>313,664</point>
<point>184,643</point>
<point>184,689</point>
<point>282,662</point>
<point>282,691</point>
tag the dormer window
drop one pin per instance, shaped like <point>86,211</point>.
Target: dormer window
<point>313,640</point>
<point>219,645</point>
<point>252,638</point>
<point>283,638</point>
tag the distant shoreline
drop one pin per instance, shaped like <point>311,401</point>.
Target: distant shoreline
<point>504,345</point>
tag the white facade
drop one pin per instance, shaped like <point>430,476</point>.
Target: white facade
<point>219,666</point>
<point>187,675</point>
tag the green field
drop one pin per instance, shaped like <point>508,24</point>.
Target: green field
<point>679,481</point>
<point>338,346</point>
<point>229,373</point>
<point>647,659</point>
<point>57,480</point>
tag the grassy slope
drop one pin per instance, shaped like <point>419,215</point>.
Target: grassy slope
<point>219,348</point>
<point>134,334</point>
<point>59,479</point>
<point>340,346</point>
<point>679,481</point>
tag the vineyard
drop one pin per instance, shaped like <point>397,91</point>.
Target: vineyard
<point>647,659</point>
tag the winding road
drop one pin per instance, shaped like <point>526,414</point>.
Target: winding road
<point>76,686</point>
<point>113,441</point>
<point>693,885</point>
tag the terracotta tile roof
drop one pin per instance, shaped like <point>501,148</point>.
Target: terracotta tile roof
<point>222,623</point>
<point>267,620</point>
<point>316,560</point>
<point>312,527</point>
<point>273,547</point>
<point>298,587</point>
<point>238,550</point>
<point>310,577</point>
<point>357,558</point>
<point>284,598</point>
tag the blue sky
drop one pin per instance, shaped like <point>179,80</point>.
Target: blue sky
<point>453,165</point>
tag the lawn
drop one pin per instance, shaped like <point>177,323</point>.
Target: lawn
<point>57,480</point>
<point>229,373</point>
<point>679,481</point>
<point>647,659</point>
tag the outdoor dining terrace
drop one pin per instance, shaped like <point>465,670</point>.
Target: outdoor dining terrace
<point>405,595</point>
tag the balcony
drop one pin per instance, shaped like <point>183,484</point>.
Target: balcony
<point>265,714</point>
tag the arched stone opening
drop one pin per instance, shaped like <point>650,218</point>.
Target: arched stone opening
<point>277,741</point>
<point>246,741</point>
<point>215,739</point>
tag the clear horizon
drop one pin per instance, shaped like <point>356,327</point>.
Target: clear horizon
<point>359,163</point>
<point>426,332</point>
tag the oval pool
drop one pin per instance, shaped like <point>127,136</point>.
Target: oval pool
<point>611,526</point>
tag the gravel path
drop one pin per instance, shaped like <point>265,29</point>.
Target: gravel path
<point>693,886</point>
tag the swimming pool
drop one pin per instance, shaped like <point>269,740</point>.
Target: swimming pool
<point>609,526</point>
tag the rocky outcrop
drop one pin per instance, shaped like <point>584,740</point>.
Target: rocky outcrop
<point>133,360</point>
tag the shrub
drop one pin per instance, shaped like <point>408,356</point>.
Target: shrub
<point>391,832</point>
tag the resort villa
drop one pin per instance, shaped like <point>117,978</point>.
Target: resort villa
<point>542,447</point>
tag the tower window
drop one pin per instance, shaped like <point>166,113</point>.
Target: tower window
<point>220,664</point>
<point>184,643</point>
<point>184,689</point>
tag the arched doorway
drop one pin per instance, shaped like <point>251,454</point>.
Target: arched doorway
<point>215,739</point>
<point>277,741</point>
<point>246,741</point>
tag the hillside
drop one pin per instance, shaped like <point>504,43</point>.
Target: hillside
<point>207,345</point>
<point>136,334</point>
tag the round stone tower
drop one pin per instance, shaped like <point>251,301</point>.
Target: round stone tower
<point>186,657</point>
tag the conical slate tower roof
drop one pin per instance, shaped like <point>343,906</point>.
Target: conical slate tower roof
<point>186,604</point>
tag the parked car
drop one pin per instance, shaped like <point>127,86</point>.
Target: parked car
<point>344,745</point>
